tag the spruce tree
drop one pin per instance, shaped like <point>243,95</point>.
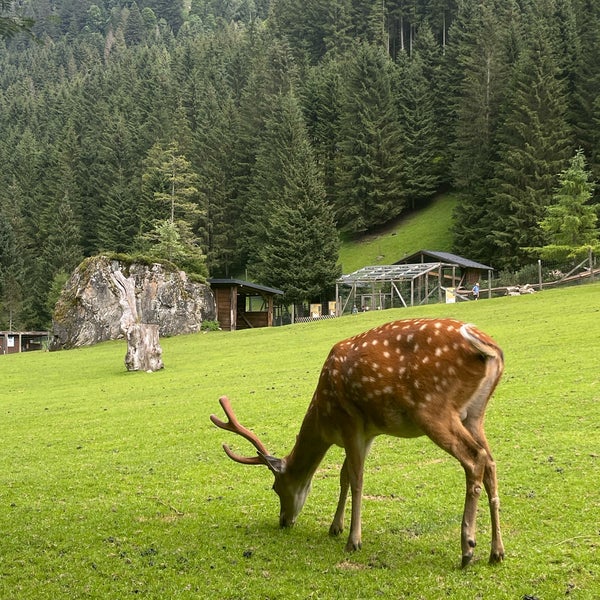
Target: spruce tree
<point>369,179</point>
<point>570,223</point>
<point>421,176</point>
<point>294,239</point>
<point>534,145</point>
<point>484,36</point>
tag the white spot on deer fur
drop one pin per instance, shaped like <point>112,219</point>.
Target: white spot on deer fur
<point>401,371</point>
<point>425,360</point>
<point>438,325</point>
<point>439,351</point>
<point>386,354</point>
<point>388,389</point>
<point>423,327</point>
<point>386,342</point>
<point>375,342</point>
<point>416,348</point>
<point>427,397</point>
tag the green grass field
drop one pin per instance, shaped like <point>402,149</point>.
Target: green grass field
<point>114,484</point>
<point>427,229</point>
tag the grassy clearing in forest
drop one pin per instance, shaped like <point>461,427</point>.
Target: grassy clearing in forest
<point>114,484</point>
<point>429,228</point>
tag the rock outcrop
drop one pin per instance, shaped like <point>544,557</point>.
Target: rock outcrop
<point>91,306</point>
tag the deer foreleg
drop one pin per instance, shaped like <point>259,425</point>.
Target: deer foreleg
<point>356,453</point>
<point>337,526</point>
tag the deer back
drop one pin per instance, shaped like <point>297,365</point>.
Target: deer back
<point>396,377</point>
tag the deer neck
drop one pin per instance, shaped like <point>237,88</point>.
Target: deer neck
<point>308,451</point>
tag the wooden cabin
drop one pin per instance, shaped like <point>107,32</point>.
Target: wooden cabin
<point>13,342</point>
<point>243,305</point>
<point>469,271</point>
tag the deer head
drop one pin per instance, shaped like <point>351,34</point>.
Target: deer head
<point>292,496</point>
<point>407,378</point>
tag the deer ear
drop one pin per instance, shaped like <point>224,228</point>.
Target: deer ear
<point>276,465</point>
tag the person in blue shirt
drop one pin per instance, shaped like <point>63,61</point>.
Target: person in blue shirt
<point>476,291</point>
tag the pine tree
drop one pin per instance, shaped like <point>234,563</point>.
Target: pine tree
<point>585,99</point>
<point>369,158</point>
<point>484,35</point>
<point>134,27</point>
<point>11,263</point>
<point>294,240</point>
<point>175,208</point>
<point>322,110</point>
<point>420,132</point>
<point>533,145</point>
<point>570,223</point>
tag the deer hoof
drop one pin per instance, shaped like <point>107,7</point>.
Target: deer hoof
<point>466,559</point>
<point>353,546</point>
<point>335,529</point>
<point>496,557</point>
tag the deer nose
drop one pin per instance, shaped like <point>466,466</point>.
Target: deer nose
<point>285,521</point>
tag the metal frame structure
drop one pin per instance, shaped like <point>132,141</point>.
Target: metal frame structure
<point>388,281</point>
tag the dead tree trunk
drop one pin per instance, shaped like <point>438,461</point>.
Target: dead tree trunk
<point>143,348</point>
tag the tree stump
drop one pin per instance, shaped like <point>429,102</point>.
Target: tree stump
<point>143,348</point>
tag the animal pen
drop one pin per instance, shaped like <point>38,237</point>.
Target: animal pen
<point>395,286</point>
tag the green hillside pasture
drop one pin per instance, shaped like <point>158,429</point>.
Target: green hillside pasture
<point>427,229</point>
<point>114,484</point>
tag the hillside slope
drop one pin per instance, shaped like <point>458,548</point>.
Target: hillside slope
<point>429,228</point>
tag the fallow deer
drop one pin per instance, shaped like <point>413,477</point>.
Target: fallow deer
<point>406,378</point>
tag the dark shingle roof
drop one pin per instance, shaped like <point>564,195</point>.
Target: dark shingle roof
<point>446,257</point>
<point>244,285</point>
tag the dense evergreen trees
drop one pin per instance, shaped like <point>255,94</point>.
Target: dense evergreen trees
<point>243,137</point>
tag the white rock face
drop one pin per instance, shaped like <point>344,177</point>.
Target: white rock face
<point>105,294</point>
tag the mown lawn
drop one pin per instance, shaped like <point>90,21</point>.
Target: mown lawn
<point>114,484</point>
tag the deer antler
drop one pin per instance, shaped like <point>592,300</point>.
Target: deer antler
<point>234,426</point>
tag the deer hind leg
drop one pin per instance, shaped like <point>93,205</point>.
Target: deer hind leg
<point>473,456</point>
<point>491,487</point>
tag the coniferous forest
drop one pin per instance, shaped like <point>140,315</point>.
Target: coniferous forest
<point>246,136</point>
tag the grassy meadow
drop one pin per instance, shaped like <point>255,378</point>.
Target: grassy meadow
<point>429,228</point>
<point>114,485</point>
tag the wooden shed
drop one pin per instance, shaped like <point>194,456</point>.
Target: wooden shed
<point>243,305</point>
<point>469,271</point>
<point>12,342</point>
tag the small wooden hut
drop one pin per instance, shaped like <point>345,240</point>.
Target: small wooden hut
<point>469,271</point>
<point>12,342</point>
<point>243,305</point>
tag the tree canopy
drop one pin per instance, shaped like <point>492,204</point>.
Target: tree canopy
<point>247,137</point>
